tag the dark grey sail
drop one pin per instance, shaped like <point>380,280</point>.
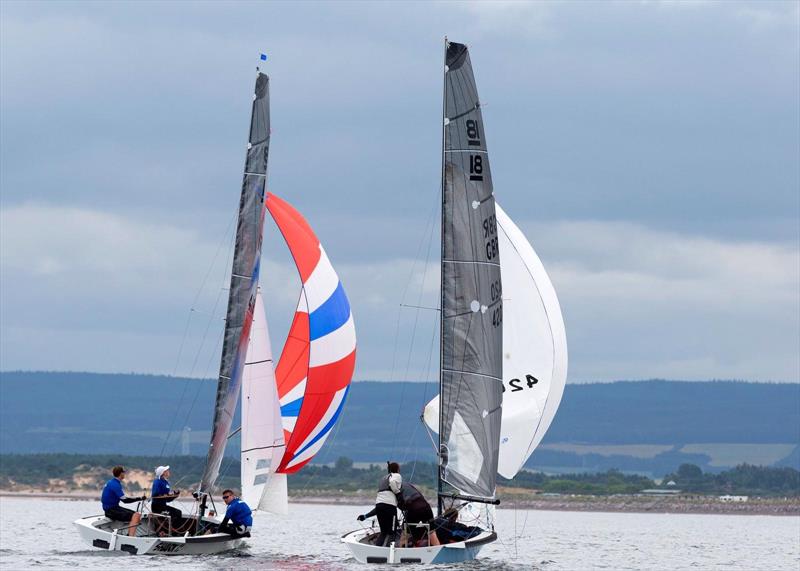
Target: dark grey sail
<point>244,281</point>
<point>472,309</point>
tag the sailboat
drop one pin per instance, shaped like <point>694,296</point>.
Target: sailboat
<point>288,411</point>
<point>503,350</point>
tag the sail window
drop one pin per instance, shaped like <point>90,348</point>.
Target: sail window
<point>465,454</point>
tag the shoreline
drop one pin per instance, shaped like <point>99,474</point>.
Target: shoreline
<point>608,504</point>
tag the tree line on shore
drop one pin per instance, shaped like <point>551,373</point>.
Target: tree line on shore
<point>42,470</point>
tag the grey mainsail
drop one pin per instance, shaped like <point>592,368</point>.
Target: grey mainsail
<point>244,281</point>
<point>472,311</point>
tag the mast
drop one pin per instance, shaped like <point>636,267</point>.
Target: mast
<point>439,488</point>
<point>244,281</point>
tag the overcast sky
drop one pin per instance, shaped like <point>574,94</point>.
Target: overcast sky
<point>649,150</point>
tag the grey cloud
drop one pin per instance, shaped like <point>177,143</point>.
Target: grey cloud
<point>660,119</point>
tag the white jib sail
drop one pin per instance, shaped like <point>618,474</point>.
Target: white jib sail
<point>534,350</point>
<point>262,431</point>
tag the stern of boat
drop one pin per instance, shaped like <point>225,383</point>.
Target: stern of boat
<point>102,533</point>
<point>364,552</point>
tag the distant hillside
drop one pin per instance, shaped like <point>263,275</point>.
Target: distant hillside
<point>59,473</point>
<point>644,426</point>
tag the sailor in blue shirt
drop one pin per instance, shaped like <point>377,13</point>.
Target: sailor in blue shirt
<point>113,495</point>
<point>238,513</point>
<point>161,494</point>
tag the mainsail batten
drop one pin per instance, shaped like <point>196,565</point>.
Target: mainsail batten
<point>242,294</point>
<point>471,352</point>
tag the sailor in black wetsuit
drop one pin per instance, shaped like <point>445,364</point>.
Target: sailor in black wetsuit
<point>416,509</point>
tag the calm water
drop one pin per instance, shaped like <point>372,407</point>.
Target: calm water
<point>38,533</point>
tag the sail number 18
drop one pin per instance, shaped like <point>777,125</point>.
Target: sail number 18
<point>474,140</point>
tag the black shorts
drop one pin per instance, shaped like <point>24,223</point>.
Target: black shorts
<point>118,513</point>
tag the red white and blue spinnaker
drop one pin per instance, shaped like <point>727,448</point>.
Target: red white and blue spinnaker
<point>318,359</point>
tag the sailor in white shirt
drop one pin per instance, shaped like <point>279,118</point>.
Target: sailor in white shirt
<point>386,503</point>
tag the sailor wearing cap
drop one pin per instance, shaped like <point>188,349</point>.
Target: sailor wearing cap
<point>113,495</point>
<point>162,493</point>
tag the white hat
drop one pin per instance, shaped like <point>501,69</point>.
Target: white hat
<point>160,471</point>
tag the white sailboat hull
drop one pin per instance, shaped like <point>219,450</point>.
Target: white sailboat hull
<point>449,553</point>
<point>103,533</point>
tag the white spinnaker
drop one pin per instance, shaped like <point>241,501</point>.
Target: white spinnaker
<point>534,350</point>
<point>262,431</point>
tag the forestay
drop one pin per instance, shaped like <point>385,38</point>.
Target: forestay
<point>317,362</point>
<point>472,307</point>
<point>244,281</point>
<point>262,432</point>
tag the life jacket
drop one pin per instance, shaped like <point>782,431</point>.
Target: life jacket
<point>383,485</point>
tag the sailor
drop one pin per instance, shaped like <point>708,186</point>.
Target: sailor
<point>416,509</point>
<point>386,502</point>
<point>447,528</point>
<point>113,495</point>
<point>239,514</point>
<point>161,493</point>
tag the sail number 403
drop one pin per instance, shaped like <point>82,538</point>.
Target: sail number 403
<point>516,384</point>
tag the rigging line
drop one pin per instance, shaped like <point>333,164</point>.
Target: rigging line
<point>197,393</point>
<point>223,472</point>
<point>425,393</point>
<point>397,331</point>
<point>420,307</point>
<point>222,241</point>
<point>419,303</point>
<point>204,377</point>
